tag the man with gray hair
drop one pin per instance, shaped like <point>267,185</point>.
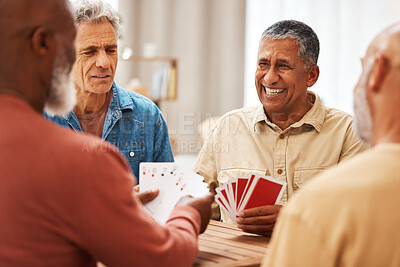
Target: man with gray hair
<point>350,216</point>
<point>60,204</point>
<point>290,136</point>
<point>126,119</point>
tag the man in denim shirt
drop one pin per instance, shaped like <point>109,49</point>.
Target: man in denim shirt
<point>128,120</point>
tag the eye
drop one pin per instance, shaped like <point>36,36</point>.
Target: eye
<point>111,50</point>
<point>263,64</point>
<point>284,67</point>
<point>88,52</point>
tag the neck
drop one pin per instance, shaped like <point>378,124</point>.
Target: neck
<point>284,120</point>
<point>31,96</point>
<point>386,133</point>
<point>88,102</point>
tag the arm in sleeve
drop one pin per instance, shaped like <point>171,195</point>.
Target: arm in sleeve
<point>352,145</point>
<point>206,167</point>
<point>162,145</point>
<point>116,230</point>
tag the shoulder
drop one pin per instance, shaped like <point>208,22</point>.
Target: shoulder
<point>245,115</point>
<point>338,115</point>
<point>57,119</point>
<point>78,147</point>
<point>134,99</point>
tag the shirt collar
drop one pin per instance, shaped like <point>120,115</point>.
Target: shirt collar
<point>314,117</point>
<point>121,99</point>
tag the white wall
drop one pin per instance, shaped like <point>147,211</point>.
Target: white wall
<point>207,38</point>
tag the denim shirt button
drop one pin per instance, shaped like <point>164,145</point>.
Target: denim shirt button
<point>131,154</point>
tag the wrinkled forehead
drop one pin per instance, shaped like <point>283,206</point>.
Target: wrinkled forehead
<point>282,48</point>
<point>95,33</point>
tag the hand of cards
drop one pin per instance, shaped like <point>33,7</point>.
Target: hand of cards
<point>173,182</point>
<point>248,192</point>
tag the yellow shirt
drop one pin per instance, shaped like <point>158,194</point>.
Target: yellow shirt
<point>245,142</point>
<point>348,216</point>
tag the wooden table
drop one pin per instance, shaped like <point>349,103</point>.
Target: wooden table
<point>224,244</point>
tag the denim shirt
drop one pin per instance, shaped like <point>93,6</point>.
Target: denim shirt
<point>134,124</point>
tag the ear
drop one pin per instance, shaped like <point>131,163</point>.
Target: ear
<point>313,74</point>
<point>42,40</point>
<point>378,73</point>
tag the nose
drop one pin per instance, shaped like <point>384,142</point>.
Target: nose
<point>102,60</point>
<point>271,76</point>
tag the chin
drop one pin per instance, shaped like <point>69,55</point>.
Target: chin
<point>102,89</point>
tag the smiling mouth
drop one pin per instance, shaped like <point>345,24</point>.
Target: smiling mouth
<point>269,91</point>
<point>101,76</point>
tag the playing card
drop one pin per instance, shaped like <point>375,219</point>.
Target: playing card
<point>264,191</point>
<point>248,192</point>
<point>223,194</point>
<point>173,182</point>
<point>240,187</point>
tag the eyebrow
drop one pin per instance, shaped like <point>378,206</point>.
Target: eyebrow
<point>283,61</point>
<point>93,47</point>
<point>280,60</point>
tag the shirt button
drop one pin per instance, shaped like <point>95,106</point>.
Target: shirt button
<point>279,171</point>
<point>131,154</point>
<point>281,136</point>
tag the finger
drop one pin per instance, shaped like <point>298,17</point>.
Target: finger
<point>209,198</point>
<point>136,188</point>
<point>265,230</point>
<point>146,197</point>
<point>260,211</point>
<point>259,220</point>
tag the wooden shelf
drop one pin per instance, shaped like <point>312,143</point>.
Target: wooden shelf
<point>165,94</point>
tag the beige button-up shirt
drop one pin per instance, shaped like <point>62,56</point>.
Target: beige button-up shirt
<point>348,216</point>
<point>245,142</point>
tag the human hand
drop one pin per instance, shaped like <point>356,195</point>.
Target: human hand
<point>202,205</point>
<point>147,196</point>
<point>260,220</point>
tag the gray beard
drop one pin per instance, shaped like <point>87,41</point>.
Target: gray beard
<point>363,119</point>
<point>62,97</point>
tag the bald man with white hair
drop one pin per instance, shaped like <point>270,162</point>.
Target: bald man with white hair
<point>350,215</point>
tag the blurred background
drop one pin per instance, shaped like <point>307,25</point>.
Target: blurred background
<point>197,58</point>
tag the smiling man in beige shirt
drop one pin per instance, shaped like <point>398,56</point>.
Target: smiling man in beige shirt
<point>291,136</point>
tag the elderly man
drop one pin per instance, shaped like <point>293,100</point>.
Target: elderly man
<point>128,120</point>
<point>349,216</point>
<point>291,136</point>
<point>60,204</point>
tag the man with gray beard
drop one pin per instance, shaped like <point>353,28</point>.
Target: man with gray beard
<point>349,216</point>
<point>63,201</point>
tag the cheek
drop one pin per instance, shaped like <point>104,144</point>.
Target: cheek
<point>258,77</point>
<point>77,71</point>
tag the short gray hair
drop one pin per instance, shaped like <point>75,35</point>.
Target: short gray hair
<point>96,11</point>
<point>305,37</point>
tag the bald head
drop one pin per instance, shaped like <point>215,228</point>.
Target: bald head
<point>387,43</point>
<point>33,34</point>
<point>377,94</point>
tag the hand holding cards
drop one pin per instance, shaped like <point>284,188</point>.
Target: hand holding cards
<point>173,182</point>
<point>248,192</point>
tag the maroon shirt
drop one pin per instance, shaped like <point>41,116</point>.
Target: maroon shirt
<point>66,200</point>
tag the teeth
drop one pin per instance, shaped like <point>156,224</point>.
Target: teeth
<point>273,91</point>
<point>100,76</point>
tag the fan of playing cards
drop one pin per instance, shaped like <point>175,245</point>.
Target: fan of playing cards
<point>248,192</point>
<point>173,182</point>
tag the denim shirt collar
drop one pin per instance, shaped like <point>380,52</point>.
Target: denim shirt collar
<point>120,101</point>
